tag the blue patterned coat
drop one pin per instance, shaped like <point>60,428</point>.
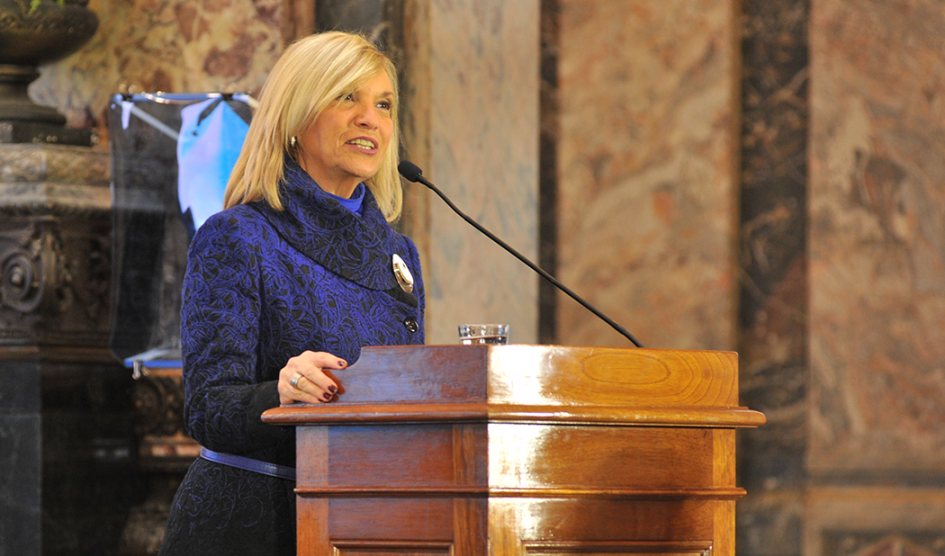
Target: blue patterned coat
<point>261,287</point>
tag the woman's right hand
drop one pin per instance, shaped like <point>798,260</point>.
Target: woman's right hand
<point>308,378</point>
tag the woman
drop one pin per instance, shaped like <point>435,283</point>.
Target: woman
<point>287,284</point>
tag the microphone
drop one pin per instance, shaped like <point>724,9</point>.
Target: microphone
<point>412,172</point>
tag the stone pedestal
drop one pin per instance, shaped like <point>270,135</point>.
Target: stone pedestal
<point>68,471</point>
<point>32,34</point>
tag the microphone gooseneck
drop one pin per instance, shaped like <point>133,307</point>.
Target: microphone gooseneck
<point>412,172</point>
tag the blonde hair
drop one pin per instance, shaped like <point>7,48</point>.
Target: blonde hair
<point>308,77</point>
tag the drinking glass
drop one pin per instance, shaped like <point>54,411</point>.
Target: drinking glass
<point>470,334</point>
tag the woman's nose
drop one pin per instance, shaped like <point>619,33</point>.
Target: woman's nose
<point>367,116</point>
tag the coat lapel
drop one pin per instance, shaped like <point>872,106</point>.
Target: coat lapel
<point>356,248</point>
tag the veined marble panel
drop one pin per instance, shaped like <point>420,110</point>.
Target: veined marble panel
<point>484,63</point>
<point>164,45</point>
<point>646,166</point>
<point>877,236</point>
<point>874,521</point>
<point>772,343</point>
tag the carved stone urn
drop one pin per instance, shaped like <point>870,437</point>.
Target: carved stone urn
<point>31,34</point>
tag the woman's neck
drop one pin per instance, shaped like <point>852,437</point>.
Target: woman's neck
<point>341,186</point>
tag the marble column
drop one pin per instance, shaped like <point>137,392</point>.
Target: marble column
<point>773,269</point>
<point>484,153</point>
<point>877,278</point>
<point>646,166</point>
<point>473,96</point>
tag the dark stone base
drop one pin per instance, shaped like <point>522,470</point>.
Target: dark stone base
<point>20,488</point>
<point>68,471</point>
<point>41,132</point>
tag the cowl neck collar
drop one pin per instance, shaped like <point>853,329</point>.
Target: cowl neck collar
<point>358,248</point>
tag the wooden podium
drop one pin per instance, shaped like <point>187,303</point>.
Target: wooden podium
<point>521,450</point>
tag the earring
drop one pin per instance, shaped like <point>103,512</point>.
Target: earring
<point>292,141</point>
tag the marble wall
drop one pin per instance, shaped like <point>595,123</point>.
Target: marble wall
<point>877,275</point>
<point>877,237</point>
<point>165,45</point>
<point>646,171</point>
<point>483,145</point>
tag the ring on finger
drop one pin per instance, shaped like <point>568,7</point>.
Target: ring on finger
<point>294,381</point>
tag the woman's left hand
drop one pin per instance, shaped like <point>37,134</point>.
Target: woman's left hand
<point>307,378</point>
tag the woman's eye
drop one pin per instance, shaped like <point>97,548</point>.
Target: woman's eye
<point>384,105</point>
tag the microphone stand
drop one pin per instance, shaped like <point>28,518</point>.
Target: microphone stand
<point>413,173</point>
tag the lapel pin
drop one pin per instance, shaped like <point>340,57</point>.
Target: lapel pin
<point>402,273</point>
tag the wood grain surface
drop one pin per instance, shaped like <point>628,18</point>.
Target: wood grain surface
<point>515,450</point>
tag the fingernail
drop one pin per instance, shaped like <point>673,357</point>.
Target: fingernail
<point>332,388</point>
<point>342,363</point>
<point>327,396</point>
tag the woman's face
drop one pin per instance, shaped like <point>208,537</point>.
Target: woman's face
<point>347,142</point>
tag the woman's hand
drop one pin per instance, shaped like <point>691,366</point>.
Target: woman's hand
<point>308,378</point>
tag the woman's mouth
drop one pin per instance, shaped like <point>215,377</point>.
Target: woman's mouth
<point>364,143</point>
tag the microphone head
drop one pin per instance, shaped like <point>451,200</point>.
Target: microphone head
<point>409,170</point>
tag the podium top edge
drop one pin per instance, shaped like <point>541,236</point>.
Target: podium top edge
<point>540,375</point>
<point>549,346</point>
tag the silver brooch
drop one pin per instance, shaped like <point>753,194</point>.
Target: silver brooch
<point>402,273</point>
